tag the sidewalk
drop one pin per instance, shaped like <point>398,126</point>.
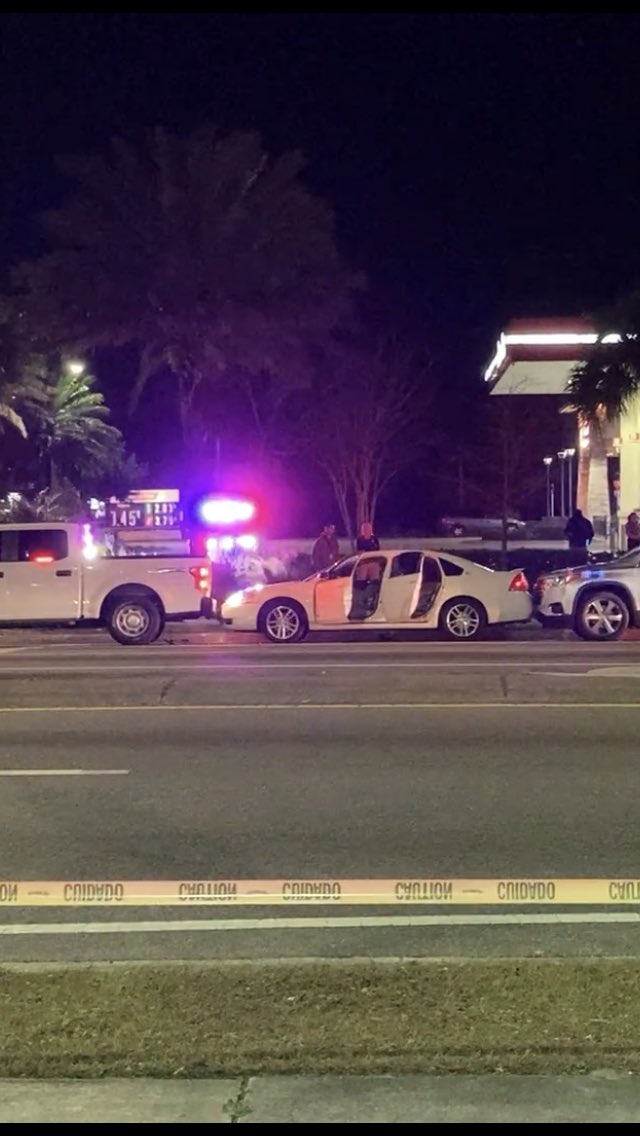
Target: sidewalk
<point>598,1098</point>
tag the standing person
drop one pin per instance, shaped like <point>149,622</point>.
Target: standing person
<point>579,530</point>
<point>326,550</point>
<point>367,541</point>
<point>632,529</point>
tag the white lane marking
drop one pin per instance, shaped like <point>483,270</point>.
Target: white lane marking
<point>63,772</point>
<point>333,706</point>
<point>315,922</point>
<point>626,670</point>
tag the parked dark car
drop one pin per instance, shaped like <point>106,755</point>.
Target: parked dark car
<point>489,528</point>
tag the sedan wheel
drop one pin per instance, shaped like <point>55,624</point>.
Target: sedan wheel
<point>462,619</point>
<point>283,621</point>
<point>602,616</point>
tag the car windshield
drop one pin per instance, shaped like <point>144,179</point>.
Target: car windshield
<point>627,560</point>
<point>342,567</point>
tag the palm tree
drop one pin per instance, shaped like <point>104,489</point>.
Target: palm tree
<point>604,388</point>
<point>20,384</point>
<point>8,412</point>
<point>74,439</point>
<point>609,378</point>
<point>204,253</point>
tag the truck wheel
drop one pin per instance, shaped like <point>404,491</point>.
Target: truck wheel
<point>134,621</point>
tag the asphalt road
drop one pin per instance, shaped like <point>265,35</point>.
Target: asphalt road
<point>318,761</point>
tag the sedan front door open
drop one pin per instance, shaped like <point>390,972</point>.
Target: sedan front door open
<point>333,594</point>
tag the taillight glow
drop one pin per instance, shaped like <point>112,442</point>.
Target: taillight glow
<point>41,558</point>
<point>519,583</point>
<point>201,577</point>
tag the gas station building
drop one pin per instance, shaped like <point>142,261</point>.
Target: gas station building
<point>537,357</point>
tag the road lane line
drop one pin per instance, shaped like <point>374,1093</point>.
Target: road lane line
<point>315,923</point>
<point>332,706</point>
<point>428,646</point>
<point>63,772</point>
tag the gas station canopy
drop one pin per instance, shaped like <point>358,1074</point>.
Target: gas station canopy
<point>537,356</point>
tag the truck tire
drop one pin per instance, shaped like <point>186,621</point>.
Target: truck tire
<point>134,620</point>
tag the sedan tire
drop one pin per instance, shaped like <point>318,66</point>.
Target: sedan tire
<point>283,621</point>
<point>601,617</point>
<point>462,620</point>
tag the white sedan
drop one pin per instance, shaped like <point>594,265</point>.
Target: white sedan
<point>398,588</point>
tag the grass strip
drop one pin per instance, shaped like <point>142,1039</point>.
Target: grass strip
<point>173,1020</point>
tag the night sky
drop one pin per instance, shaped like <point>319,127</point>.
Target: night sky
<point>480,166</point>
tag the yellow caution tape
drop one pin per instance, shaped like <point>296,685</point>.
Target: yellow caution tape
<point>329,893</point>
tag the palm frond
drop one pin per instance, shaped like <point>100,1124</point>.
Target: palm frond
<point>607,381</point>
<point>13,418</point>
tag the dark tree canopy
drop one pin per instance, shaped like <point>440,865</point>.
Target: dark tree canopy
<point>204,252</point>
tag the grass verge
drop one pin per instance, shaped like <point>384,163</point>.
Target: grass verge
<point>533,1016</point>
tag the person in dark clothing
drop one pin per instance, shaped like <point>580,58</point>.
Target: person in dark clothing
<point>326,550</point>
<point>632,529</point>
<point>367,541</point>
<point>579,530</point>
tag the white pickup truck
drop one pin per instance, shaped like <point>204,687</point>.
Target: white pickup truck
<point>52,573</point>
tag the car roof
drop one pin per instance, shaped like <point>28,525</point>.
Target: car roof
<point>463,561</point>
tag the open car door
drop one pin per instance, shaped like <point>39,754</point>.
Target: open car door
<point>368,580</point>
<point>333,593</point>
<point>401,587</point>
<point>430,586</point>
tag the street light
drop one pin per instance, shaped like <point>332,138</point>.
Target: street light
<point>562,454</point>
<point>547,462</point>
<point>76,367</point>
<point>570,454</point>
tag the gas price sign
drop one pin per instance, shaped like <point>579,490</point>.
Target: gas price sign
<point>143,515</point>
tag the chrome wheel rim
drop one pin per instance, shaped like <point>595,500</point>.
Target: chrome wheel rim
<point>603,617</point>
<point>463,620</point>
<point>283,623</point>
<point>132,621</point>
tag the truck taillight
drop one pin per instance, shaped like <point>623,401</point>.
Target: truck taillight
<point>519,583</point>
<point>201,578</point>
